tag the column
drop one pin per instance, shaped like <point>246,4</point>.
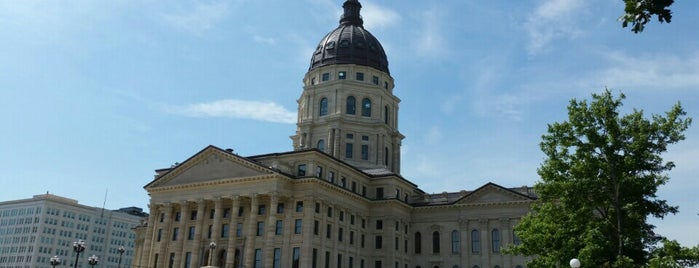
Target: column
<point>182,234</point>
<point>307,231</point>
<point>216,230</point>
<point>163,257</point>
<point>338,144</point>
<point>232,239</point>
<point>197,249</point>
<point>150,231</point>
<point>485,243</point>
<point>271,227</point>
<point>250,238</point>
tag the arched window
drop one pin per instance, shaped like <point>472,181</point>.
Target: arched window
<point>323,107</point>
<point>435,242</point>
<point>385,115</point>
<point>321,145</point>
<point>455,242</point>
<point>475,241</point>
<point>351,105</point>
<point>366,107</point>
<point>418,243</point>
<point>495,237</point>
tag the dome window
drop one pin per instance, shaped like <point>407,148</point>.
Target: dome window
<point>342,75</point>
<point>366,107</point>
<point>351,105</point>
<point>318,49</point>
<point>323,107</point>
<point>360,76</point>
<point>330,45</point>
<point>344,43</point>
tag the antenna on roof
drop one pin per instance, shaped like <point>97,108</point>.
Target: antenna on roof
<point>105,202</point>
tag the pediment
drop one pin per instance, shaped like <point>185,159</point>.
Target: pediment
<point>492,193</point>
<point>209,165</point>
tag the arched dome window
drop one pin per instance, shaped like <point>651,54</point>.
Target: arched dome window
<point>351,105</point>
<point>323,107</point>
<point>321,145</point>
<point>366,107</point>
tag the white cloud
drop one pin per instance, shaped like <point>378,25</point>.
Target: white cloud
<point>430,41</point>
<point>230,108</point>
<point>376,16</point>
<point>264,40</point>
<point>199,17</point>
<point>551,20</point>
<point>653,72</point>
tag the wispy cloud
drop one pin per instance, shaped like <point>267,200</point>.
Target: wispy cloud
<point>656,72</point>
<point>376,16</point>
<point>430,41</point>
<point>241,109</point>
<point>551,20</point>
<point>198,17</point>
<point>264,40</point>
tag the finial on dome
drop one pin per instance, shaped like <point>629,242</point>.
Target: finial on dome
<point>351,15</point>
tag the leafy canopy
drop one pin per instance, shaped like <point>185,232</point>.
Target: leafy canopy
<point>598,185</point>
<point>639,12</point>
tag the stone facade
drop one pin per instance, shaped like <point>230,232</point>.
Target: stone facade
<point>338,199</point>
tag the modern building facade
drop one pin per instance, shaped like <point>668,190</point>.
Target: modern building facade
<point>36,229</point>
<point>337,200</point>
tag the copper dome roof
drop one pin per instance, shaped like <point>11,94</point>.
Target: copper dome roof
<point>350,43</point>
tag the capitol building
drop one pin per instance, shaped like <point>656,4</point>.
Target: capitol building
<point>337,199</point>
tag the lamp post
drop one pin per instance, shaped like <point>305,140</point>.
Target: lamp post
<point>121,253</point>
<point>78,246</point>
<point>55,260</point>
<point>212,246</point>
<point>574,263</point>
<point>92,260</point>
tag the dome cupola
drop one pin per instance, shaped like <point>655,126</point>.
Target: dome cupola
<point>350,43</point>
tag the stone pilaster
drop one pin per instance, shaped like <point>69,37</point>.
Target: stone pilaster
<point>249,258</point>
<point>232,239</point>
<point>197,250</point>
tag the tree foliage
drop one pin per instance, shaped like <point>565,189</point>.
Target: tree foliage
<point>672,255</point>
<point>598,185</point>
<point>640,12</point>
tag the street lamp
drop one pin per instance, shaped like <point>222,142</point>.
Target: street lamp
<point>78,246</point>
<point>212,246</point>
<point>574,263</point>
<point>55,260</point>
<point>92,260</point>
<point>121,253</point>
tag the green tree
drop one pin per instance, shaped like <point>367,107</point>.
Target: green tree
<point>640,12</point>
<point>672,255</point>
<point>598,185</point>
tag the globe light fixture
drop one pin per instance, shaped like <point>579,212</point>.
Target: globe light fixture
<point>55,260</point>
<point>78,246</point>
<point>574,263</point>
<point>92,260</point>
<point>121,253</point>
<point>212,246</point>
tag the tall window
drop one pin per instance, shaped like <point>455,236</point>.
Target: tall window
<point>187,259</point>
<point>297,226</point>
<point>190,234</point>
<point>455,242</point>
<point>301,171</point>
<point>495,237</point>
<point>279,228</point>
<point>366,107</point>
<point>385,156</point>
<point>418,243</point>
<point>475,241</point>
<point>342,75</point>
<point>515,238</point>
<point>225,229</point>
<point>385,115</point>
<point>351,105</point>
<point>276,262</point>
<point>323,107</point>
<point>258,258</point>
<point>321,145</point>
<point>260,228</point>
<point>349,147</point>
<point>325,77</point>
<point>360,76</point>
<point>365,152</point>
<point>435,242</point>
<point>296,256</point>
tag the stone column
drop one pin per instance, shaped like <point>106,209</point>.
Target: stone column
<point>165,235</point>
<point>250,238</point>
<point>216,230</point>
<point>271,227</point>
<point>179,258</point>
<point>150,231</point>
<point>485,243</point>
<point>232,239</point>
<point>197,249</point>
<point>307,231</point>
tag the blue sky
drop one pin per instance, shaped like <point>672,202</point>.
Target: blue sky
<point>95,95</point>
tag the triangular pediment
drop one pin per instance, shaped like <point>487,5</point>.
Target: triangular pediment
<point>492,193</point>
<point>209,165</point>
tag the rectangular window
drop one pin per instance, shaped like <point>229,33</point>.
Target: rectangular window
<point>296,257</point>
<point>379,193</point>
<point>301,170</point>
<point>361,241</point>
<point>171,261</point>
<point>339,260</point>
<point>226,212</point>
<point>210,230</point>
<point>187,259</point>
<point>365,138</point>
<point>240,211</point>
<point>276,262</point>
<point>317,207</point>
<point>351,237</point>
<point>363,190</point>
<point>190,234</point>
<point>239,230</point>
<point>385,85</point>
<point>343,182</point>
<point>395,243</point>
<point>278,227</point>
<point>258,258</point>
<point>174,233</point>
<point>160,234</point>
<point>280,208</point>
<point>379,224</point>
<point>319,172</point>
<point>329,231</point>
<point>330,212</point>
<point>261,210</point>
<point>331,177</point>
<point>379,242</point>
<point>177,216</point>
<point>298,225</point>
<point>354,187</point>
<point>314,260</point>
<point>348,150</point>
<point>342,216</point>
<point>350,136</point>
<point>377,264</point>
<point>212,213</point>
<point>225,229</point>
<point>260,228</point>
<point>360,76</point>
<point>327,259</point>
<point>375,80</point>
<point>365,152</point>
<point>325,77</point>
<point>299,206</point>
<point>339,234</point>
<point>352,219</point>
<point>316,227</point>
<point>342,75</point>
